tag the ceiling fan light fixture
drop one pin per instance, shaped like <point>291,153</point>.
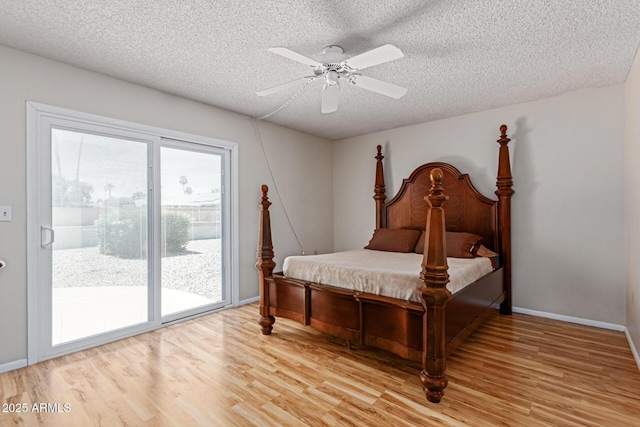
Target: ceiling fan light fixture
<point>332,78</point>
<point>329,98</point>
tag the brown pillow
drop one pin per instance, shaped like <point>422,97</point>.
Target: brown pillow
<point>393,240</point>
<point>488,253</point>
<point>462,245</point>
<point>459,245</point>
<point>485,252</point>
<point>419,248</point>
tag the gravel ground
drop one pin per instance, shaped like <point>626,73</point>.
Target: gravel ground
<point>197,272</point>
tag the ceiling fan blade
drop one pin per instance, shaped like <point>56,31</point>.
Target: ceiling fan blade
<point>295,56</point>
<point>330,98</point>
<point>284,86</point>
<point>375,85</point>
<point>376,56</point>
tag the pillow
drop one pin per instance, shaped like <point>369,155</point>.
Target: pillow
<point>485,252</point>
<point>488,253</point>
<point>394,239</point>
<point>459,245</point>
<point>462,245</point>
<point>419,248</point>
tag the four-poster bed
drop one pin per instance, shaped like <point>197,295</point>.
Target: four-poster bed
<point>426,327</point>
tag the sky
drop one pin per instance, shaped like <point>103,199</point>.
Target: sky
<point>121,165</point>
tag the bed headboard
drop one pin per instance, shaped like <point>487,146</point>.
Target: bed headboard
<point>466,210</point>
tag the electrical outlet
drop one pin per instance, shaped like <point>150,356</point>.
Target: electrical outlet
<point>5,213</point>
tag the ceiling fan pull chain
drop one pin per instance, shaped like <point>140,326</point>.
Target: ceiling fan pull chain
<point>288,101</point>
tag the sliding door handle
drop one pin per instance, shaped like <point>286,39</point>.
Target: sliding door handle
<point>43,234</point>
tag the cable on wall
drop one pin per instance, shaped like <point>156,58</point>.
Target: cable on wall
<point>266,158</point>
<point>275,186</point>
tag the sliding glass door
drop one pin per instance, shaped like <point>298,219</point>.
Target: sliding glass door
<point>128,230</point>
<point>192,273</point>
<point>98,237</point>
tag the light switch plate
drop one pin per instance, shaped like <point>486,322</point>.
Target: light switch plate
<point>5,213</point>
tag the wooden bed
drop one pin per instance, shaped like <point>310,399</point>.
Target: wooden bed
<point>435,197</point>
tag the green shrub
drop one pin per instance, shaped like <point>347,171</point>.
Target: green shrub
<point>175,232</point>
<point>123,232</point>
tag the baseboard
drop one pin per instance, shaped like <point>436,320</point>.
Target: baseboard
<point>578,320</point>
<point>6,367</point>
<point>248,301</point>
<point>633,347</point>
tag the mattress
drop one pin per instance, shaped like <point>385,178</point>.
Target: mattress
<point>390,274</point>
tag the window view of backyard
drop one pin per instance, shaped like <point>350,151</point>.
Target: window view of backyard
<point>191,229</point>
<point>100,211</point>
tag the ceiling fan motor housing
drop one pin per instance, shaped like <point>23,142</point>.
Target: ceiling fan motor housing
<point>332,64</point>
<point>332,54</point>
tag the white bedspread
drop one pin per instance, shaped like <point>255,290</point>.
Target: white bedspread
<point>391,274</point>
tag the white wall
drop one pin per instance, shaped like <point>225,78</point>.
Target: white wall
<point>25,77</point>
<point>568,210</point>
<point>632,157</point>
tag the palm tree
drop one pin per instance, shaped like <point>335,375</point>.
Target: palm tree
<point>108,188</point>
<point>184,181</point>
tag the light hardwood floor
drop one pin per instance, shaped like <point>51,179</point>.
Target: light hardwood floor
<point>219,370</point>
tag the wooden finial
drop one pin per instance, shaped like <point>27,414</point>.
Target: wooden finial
<point>436,193</point>
<point>436,176</point>
<point>264,201</point>
<point>504,140</point>
<point>379,156</point>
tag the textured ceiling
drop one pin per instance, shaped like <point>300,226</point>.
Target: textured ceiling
<point>460,56</point>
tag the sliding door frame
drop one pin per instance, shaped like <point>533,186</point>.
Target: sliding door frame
<point>37,117</point>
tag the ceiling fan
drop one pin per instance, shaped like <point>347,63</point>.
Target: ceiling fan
<point>334,65</point>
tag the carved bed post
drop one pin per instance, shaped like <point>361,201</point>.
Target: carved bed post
<point>265,264</point>
<point>504,193</point>
<point>379,196</point>
<point>435,277</point>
